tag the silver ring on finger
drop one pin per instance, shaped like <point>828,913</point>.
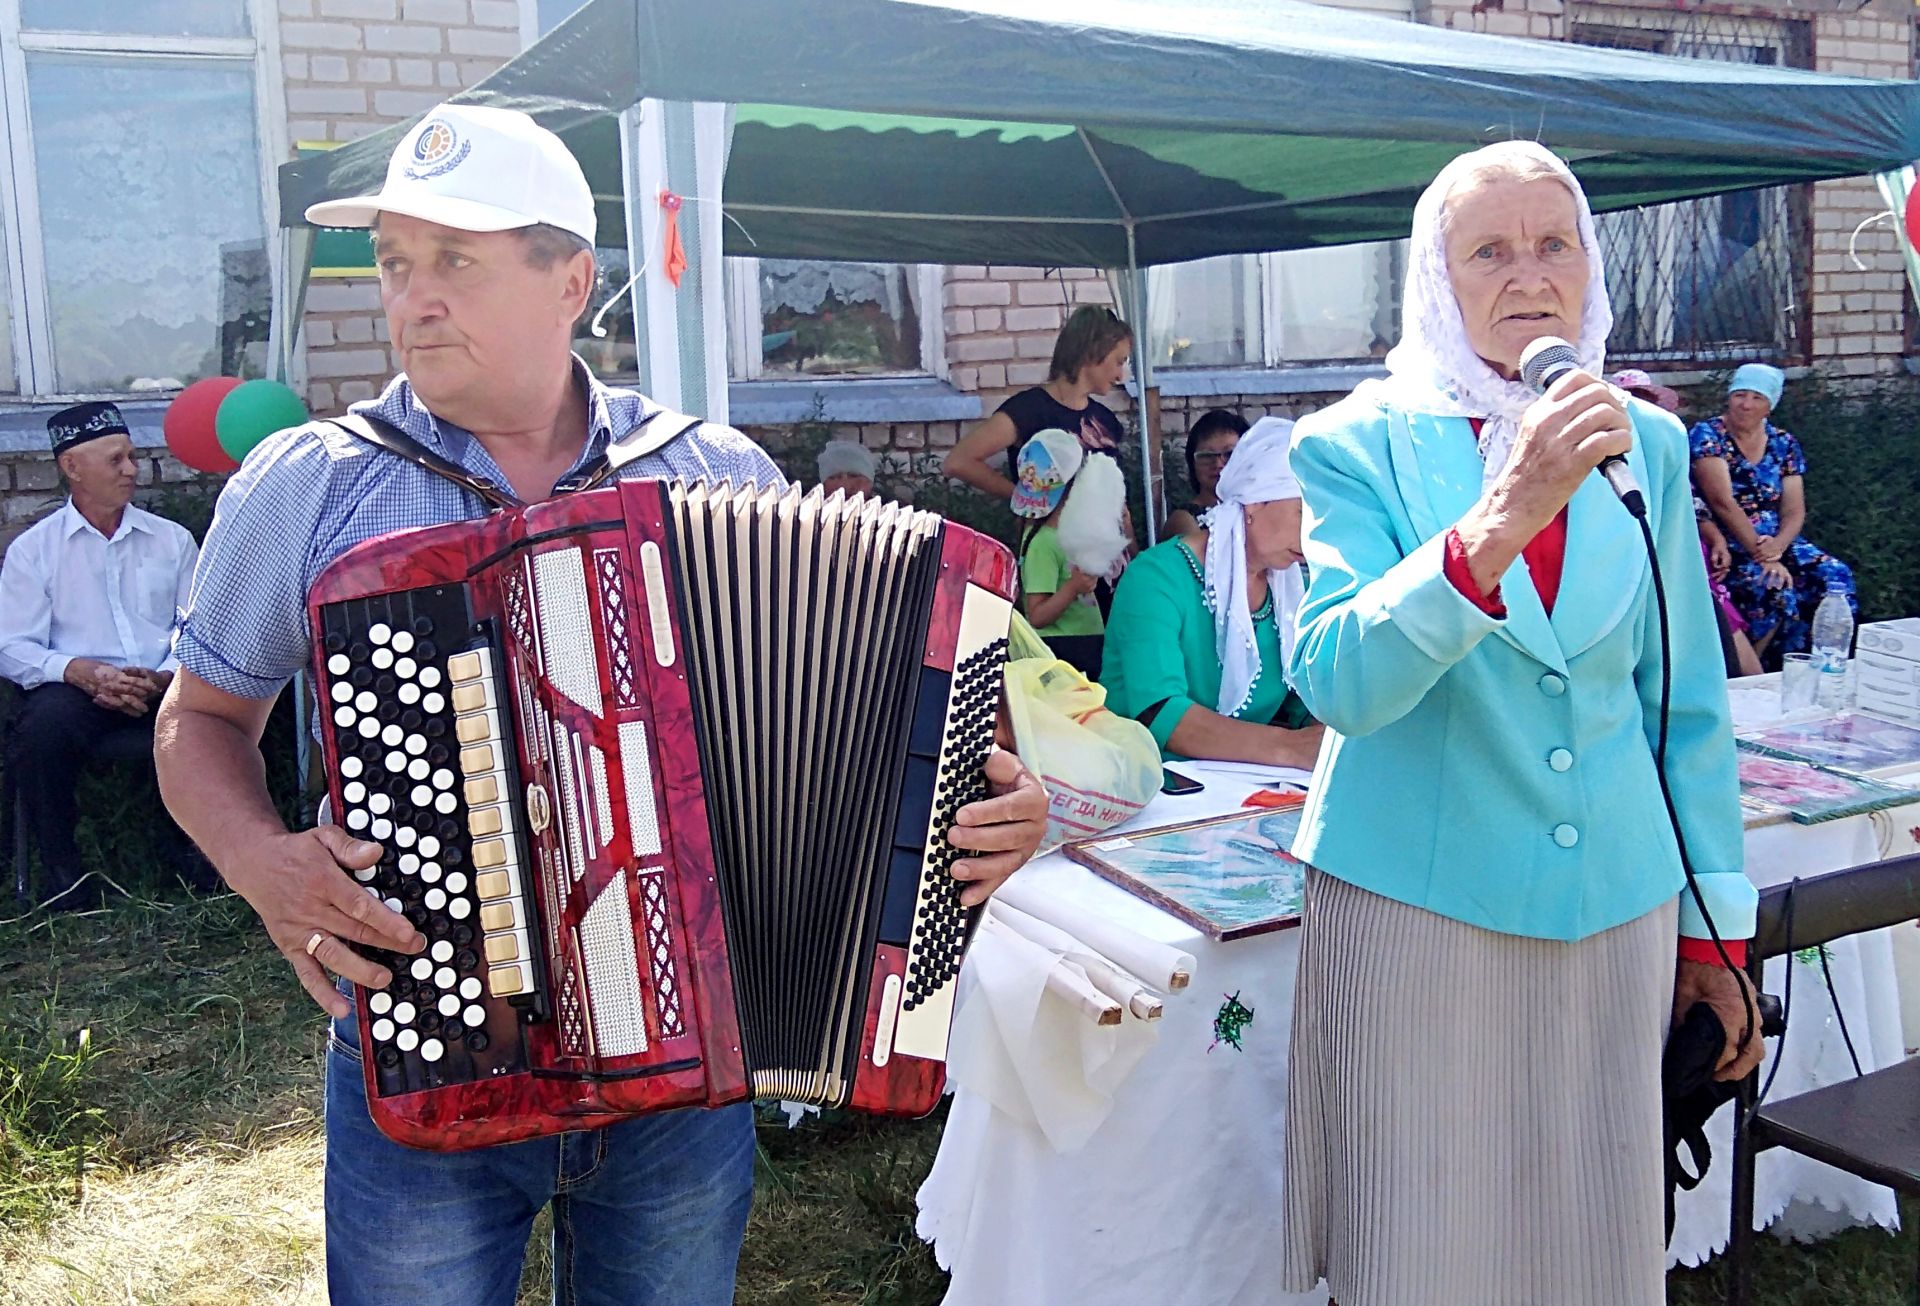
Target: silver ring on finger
<point>315,940</point>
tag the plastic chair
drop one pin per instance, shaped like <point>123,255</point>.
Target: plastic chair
<point>1869,1126</point>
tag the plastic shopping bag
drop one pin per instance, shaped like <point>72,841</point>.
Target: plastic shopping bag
<point>1100,768</point>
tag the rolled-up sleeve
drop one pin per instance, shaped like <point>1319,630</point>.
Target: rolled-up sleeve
<point>1702,765</point>
<point>1377,629</point>
<point>245,629</point>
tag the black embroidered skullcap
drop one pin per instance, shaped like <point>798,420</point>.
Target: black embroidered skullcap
<point>84,422</point>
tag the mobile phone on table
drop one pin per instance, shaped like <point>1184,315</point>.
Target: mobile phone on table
<point>1172,782</point>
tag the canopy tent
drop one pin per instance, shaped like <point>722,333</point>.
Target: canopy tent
<point>1104,132</point>
<point>1128,133</point>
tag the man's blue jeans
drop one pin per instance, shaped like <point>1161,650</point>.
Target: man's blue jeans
<point>649,1212</point>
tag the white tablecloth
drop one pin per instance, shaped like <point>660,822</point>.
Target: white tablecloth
<point>1175,1200</point>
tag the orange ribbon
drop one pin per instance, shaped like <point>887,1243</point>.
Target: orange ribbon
<point>672,251</point>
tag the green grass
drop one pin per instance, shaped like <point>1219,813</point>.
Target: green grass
<point>174,1155</point>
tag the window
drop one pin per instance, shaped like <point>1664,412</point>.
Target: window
<point>137,241</point>
<point>610,350</point>
<point>811,317</point>
<point>1713,278</point>
<point>1270,310</point>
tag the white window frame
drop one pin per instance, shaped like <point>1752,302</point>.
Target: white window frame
<point>1271,354</point>
<point>744,329</point>
<point>28,306</point>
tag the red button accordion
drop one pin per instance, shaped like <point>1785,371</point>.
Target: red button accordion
<point>663,773</point>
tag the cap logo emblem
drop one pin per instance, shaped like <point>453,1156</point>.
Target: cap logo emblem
<point>437,150</point>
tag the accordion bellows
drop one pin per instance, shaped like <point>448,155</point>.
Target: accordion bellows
<point>663,772</point>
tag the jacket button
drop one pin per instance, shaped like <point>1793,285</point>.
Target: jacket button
<point>1553,686</point>
<point>1560,759</point>
<point>1565,835</point>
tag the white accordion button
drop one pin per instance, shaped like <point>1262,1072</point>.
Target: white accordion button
<point>442,952</point>
<point>444,978</point>
<point>409,864</point>
<point>405,836</point>
<point>474,1016</point>
<point>354,792</point>
<point>351,767</point>
<point>368,726</point>
<point>366,873</point>
<point>339,664</point>
<point>445,804</point>
<point>416,745</point>
<point>392,736</point>
<point>402,641</point>
<point>343,717</point>
<point>459,909</point>
<point>429,677</point>
<point>382,828</point>
<point>430,871</point>
<point>357,820</point>
<point>422,796</point>
<point>435,900</point>
<point>409,694</point>
<point>421,968</point>
<point>382,659</point>
<point>380,1003</point>
<point>433,704</point>
<point>443,779</point>
<point>343,692</point>
<point>449,1004</point>
<point>429,846</point>
<point>379,633</point>
<point>382,1030</point>
<point>380,804</point>
<point>470,989</point>
<point>403,1013</point>
<point>457,882</point>
<point>405,668</point>
<point>419,768</point>
<point>364,701</point>
<point>396,760</point>
<point>407,1040</point>
<point>432,1050</point>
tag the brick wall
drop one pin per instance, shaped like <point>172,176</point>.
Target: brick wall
<point>353,67</point>
<point>30,486</point>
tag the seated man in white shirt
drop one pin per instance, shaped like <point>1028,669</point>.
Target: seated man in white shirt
<point>88,598</point>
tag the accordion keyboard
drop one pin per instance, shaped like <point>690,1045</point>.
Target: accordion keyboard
<point>411,699</point>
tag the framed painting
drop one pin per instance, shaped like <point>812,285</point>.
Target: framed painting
<point>1231,876</point>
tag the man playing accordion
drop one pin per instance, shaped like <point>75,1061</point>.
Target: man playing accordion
<point>483,235</point>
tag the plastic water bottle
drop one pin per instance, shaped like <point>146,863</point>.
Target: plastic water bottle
<point>1832,643</point>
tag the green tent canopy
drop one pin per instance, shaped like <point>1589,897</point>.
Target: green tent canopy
<point>1113,132</point>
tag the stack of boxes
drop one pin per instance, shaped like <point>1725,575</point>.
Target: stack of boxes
<point>1887,669</point>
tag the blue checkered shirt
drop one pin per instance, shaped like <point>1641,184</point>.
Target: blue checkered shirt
<point>309,494</point>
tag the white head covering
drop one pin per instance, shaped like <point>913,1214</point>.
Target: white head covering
<point>1258,472</point>
<point>1434,369</point>
<point>845,458</point>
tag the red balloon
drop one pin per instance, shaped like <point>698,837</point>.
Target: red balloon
<point>189,425</point>
<point>1913,217</point>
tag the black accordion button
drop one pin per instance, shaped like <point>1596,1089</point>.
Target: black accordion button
<point>360,652</point>
<point>385,686</point>
<point>436,728</point>
<point>335,642</point>
<point>424,652</point>
<point>361,677</point>
<point>422,626</point>
<point>437,754</point>
<point>411,719</point>
<point>465,960</point>
<point>462,935</point>
<point>477,1041</point>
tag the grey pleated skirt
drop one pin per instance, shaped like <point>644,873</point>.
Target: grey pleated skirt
<point>1473,1119</point>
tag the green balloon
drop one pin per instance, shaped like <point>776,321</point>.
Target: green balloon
<point>254,411</point>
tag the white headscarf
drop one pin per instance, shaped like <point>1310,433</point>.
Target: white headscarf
<point>1258,472</point>
<point>1434,369</point>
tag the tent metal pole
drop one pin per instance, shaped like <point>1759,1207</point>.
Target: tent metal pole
<point>1149,404</point>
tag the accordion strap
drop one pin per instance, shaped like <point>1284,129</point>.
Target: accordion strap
<point>656,431</point>
<point>383,434</point>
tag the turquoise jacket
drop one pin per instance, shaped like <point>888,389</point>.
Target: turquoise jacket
<point>1500,772</point>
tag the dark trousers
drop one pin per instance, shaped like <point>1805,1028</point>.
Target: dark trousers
<point>59,733</point>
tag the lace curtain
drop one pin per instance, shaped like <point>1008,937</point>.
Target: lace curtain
<point>151,221</point>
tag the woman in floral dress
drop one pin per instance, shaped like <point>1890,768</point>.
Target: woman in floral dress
<point>1750,472</point>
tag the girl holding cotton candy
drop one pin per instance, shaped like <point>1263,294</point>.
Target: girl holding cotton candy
<point>1073,504</point>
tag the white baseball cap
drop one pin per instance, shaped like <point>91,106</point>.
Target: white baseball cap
<point>475,169</point>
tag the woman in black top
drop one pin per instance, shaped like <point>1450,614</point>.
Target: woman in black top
<point>1089,358</point>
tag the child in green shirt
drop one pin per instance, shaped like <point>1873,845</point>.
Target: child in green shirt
<point>1057,598</point>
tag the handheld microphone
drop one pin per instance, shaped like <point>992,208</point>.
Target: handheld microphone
<point>1545,361</point>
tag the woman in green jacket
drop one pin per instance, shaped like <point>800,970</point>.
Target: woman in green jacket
<point>1198,636</point>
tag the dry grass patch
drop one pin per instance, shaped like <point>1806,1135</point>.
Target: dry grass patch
<point>217,1227</point>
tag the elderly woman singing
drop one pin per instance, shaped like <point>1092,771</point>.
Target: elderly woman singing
<point>1496,931</point>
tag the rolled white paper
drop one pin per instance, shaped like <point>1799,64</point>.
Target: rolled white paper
<point>1159,965</point>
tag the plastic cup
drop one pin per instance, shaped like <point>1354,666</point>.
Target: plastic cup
<point>1798,682</point>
